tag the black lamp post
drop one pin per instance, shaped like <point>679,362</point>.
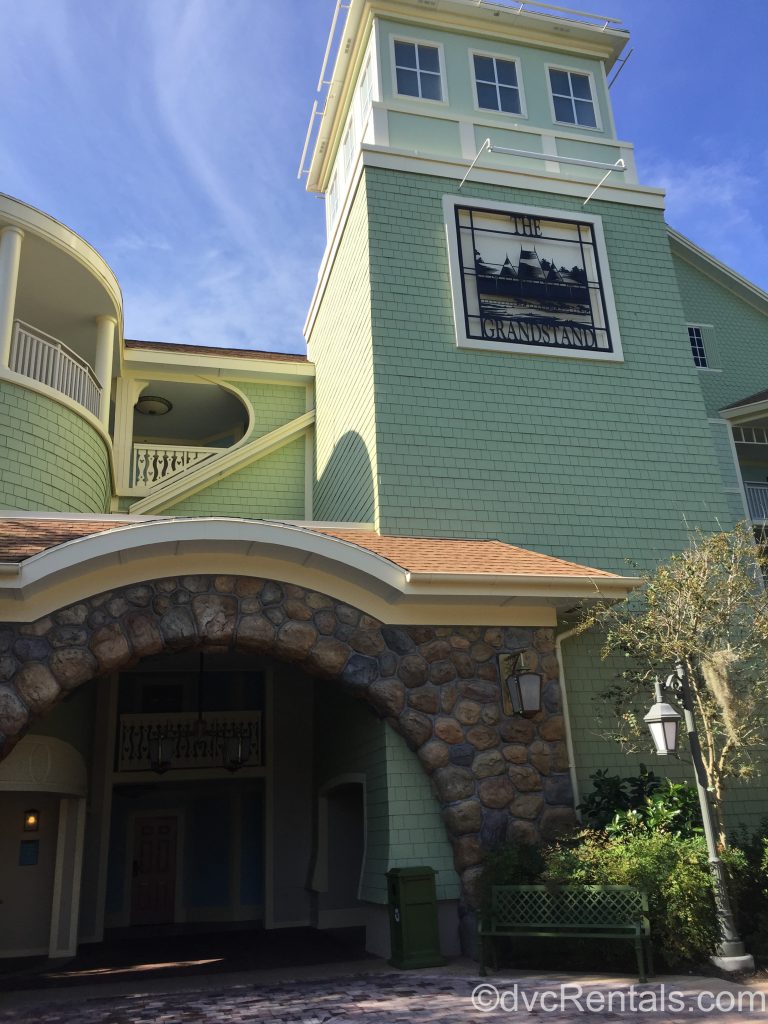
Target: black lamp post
<point>663,722</point>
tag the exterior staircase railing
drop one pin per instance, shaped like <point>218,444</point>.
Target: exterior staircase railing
<point>153,464</point>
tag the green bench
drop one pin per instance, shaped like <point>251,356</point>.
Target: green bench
<point>569,911</point>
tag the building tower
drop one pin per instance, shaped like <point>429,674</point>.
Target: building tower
<point>498,326</point>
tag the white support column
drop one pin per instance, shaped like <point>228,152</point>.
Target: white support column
<point>10,257</point>
<point>65,908</point>
<point>126,395</point>
<point>105,341</point>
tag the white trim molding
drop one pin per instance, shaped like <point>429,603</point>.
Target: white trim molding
<point>153,549</point>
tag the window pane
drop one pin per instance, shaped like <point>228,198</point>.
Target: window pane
<point>506,72</point>
<point>405,55</point>
<point>564,110</point>
<point>580,86</point>
<point>484,69</point>
<point>585,113</point>
<point>407,83</point>
<point>428,59</point>
<point>430,87</point>
<point>486,96</point>
<point>560,84</point>
<point>510,100</point>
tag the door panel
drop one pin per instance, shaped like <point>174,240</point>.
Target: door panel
<point>154,871</point>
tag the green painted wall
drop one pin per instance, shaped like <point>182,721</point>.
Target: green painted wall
<point>403,817</point>
<point>586,678</point>
<point>739,335</point>
<point>598,462</point>
<point>272,487</point>
<point>340,344</point>
<point>51,460</point>
<point>460,78</point>
<point>72,720</point>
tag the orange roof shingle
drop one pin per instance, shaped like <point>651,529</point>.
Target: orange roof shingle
<point>22,538</point>
<point>443,555</point>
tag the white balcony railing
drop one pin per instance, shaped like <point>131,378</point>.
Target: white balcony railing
<point>757,501</point>
<point>154,464</point>
<point>189,740</point>
<point>40,357</point>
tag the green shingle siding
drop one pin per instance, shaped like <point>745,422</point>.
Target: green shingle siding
<point>592,461</point>
<point>272,487</point>
<point>53,460</point>
<point>740,335</point>
<point>340,345</point>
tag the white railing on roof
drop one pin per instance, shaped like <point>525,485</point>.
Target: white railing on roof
<point>534,7</point>
<point>154,464</point>
<point>757,501</point>
<point>40,357</point>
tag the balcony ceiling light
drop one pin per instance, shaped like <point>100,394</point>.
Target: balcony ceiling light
<point>153,405</point>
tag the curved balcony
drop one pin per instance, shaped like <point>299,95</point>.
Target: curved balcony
<point>60,313</point>
<point>38,356</point>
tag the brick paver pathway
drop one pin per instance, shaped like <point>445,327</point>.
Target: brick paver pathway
<point>410,999</point>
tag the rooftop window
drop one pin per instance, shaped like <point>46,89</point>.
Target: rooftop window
<point>417,70</point>
<point>572,98</point>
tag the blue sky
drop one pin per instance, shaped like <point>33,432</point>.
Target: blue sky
<point>168,133</point>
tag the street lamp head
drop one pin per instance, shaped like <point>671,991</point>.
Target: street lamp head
<point>663,722</point>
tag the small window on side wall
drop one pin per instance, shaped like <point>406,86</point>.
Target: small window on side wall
<point>497,86</point>
<point>572,98</point>
<point>417,70</point>
<point>697,347</point>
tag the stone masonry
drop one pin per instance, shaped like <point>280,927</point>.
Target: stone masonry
<point>497,778</point>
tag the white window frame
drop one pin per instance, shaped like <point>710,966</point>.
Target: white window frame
<point>365,100</point>
<point>397,38</point>
<point>348,154</point>
<point>450,202</point>
<point>518,71</point>
<point>593,89</point>
<point>333,199</point>
<point>709,356</point>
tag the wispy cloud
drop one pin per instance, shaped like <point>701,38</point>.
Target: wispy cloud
<point>719,204</point>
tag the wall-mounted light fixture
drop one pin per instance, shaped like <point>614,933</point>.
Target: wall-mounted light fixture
<point>153,405</point>
<point>31,820</point>
<point>520,689</point>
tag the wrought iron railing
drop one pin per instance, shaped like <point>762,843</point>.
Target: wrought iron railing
<point>215,739</point>
<point>40,357</point>
<point>757,501</point>
<point>154,464</point>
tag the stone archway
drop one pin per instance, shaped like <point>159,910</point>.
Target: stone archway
<point>496,777</point>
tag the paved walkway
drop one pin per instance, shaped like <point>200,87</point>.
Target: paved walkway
<point>387,997</point>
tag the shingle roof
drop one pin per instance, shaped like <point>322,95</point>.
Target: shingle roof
<point>443,555</point>
<point>761,396</point>
<point>242,353</point>
<point>24,537</point>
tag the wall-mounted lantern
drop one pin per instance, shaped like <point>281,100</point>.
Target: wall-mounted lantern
<point>520,689</point>
<point>31,820</point>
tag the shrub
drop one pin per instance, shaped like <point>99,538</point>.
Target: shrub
<point>642,801</point>
<point>673,870</point>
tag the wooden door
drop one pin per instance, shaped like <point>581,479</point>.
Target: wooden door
<point>154,871</point>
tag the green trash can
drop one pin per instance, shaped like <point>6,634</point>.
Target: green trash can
<point>413,918</point>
